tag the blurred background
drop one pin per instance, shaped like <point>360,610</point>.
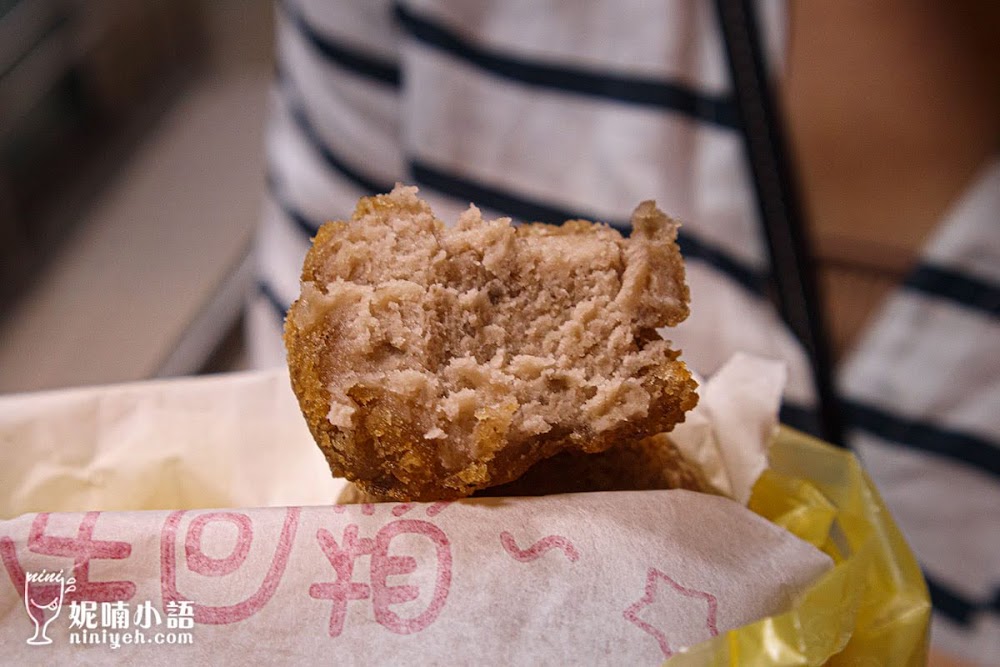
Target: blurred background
<point>131,162</point>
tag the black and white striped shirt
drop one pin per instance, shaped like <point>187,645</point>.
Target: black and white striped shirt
<point>550,110</point>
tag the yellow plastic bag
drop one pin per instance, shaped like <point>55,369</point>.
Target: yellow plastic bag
<point>872,608</point>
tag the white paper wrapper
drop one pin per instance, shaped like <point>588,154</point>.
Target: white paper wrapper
<point>613,578</point>
<point>727,434</point>
<point>588,578</point>
<point>222,441</point>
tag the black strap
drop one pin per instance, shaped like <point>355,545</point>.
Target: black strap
<point>778,202</point>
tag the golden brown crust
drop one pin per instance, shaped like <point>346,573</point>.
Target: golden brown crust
<point>638,465</point>
<point>353,495</point>
<point>430,363</point>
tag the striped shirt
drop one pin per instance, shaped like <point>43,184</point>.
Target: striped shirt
<point>544,110</point>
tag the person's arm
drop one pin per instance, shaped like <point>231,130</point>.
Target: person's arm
<point>893,107</point>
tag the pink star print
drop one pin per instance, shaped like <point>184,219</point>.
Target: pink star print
<point>632,613</point>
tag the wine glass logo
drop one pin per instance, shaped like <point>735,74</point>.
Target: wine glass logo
<point>44,593</point>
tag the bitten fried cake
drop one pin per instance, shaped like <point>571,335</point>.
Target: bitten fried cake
<point>430,361</point>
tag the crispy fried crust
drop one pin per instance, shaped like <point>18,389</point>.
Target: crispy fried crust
<point>639,465</point>
<point>432,362</point>
<point>644,465</point>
